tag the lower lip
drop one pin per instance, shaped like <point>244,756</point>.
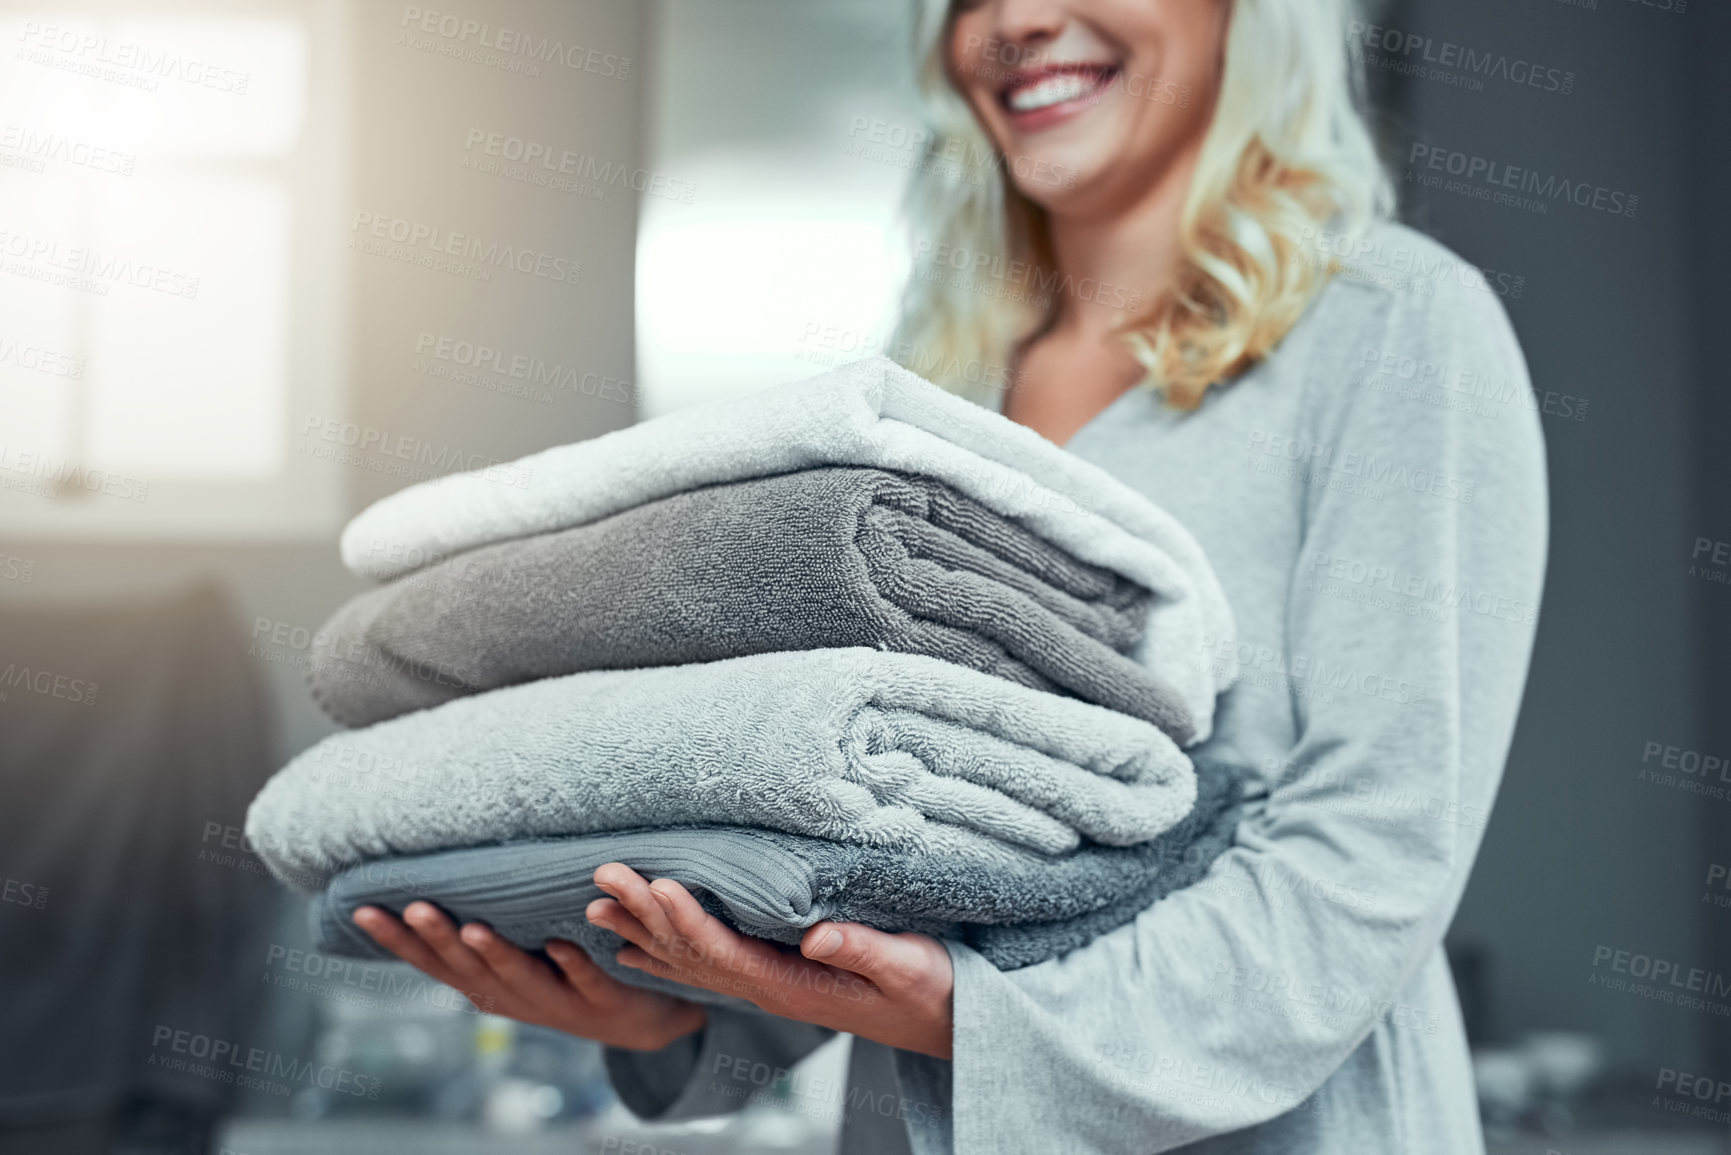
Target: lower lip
<point>1035,119</point>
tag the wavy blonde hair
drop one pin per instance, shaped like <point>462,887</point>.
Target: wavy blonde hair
<point>1286,153</point>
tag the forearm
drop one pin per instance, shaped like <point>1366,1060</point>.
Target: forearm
<point>1228,1012</point>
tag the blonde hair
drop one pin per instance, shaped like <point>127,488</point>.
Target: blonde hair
<point>1285,153</point>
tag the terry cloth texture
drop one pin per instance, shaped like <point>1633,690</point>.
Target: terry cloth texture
<point>1014,907</point>
<point>818,559</point>
<point>871,413</point>
<point>855,745</point>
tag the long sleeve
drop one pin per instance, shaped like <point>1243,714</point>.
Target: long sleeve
<point>710,1072</point>
<point>1408,627</point>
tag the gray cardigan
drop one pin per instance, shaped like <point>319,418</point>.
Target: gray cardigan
<point>1373,497</point>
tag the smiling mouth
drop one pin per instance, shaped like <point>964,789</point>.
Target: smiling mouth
<point>1055,86</point>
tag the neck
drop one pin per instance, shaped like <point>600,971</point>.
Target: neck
<point>1116,265</point>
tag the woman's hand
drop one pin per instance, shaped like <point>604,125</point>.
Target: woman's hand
<point>892,988</point>
<point>578,998</point>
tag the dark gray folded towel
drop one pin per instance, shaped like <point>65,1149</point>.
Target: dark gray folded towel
<point>810,560</point>
<point>1015,907</point>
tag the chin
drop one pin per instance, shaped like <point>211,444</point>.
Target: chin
<point>1056,171</point>
<point>1054,180</point>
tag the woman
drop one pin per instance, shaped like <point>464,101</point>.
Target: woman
<point>1180,179</point>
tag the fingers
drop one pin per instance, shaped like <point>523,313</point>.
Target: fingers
<point>390,933</point>
<point>589,980</point>
<point>701,937</point>
<point>438,933</point>
<point>610,914</point>
<point>499,977</point>
<point>672,936</point>
<point>632,892</point>
<point>519,971</point>
<point>893,962</point>
<point>643,914</point>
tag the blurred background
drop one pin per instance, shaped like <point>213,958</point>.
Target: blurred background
<point>263,262</point>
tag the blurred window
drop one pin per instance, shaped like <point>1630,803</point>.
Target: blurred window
<point>170,267</point>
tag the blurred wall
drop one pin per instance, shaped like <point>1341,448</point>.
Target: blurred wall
<point>1581,852</point>
<point>536,261</point>
<point>1708,169</point>
<point>793,128</point>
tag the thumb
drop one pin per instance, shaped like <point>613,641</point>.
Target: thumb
<point>889,960</point>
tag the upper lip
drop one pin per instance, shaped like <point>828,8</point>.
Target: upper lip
<point>1021,78</point>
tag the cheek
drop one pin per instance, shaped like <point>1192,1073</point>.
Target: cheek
<point>967,52</point>
<point>1197,49</point>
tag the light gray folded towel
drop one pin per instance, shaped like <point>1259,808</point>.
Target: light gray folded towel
<point>853,745</point>
<point>816,559</point>
<point>1015,907</point>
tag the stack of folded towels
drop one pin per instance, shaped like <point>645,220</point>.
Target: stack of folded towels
<point>851,648</point>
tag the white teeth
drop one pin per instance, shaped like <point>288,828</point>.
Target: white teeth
<point>1053,90</point>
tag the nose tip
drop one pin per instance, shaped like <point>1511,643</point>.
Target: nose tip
<point>1028,23</point>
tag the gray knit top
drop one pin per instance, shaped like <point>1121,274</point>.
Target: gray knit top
<point>1373,497</point>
